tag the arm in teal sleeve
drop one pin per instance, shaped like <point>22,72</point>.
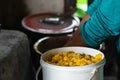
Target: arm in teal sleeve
<point>98,28</point>
<point>93,7</point>
<point>104,23</point>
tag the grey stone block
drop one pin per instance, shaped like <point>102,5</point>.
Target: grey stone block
<point>15,57</point>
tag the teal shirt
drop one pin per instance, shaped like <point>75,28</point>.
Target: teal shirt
<point>104,22</point>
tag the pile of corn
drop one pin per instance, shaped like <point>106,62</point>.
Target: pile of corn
<point>74,59</point>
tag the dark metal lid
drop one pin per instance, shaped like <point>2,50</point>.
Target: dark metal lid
<point>48,23</point>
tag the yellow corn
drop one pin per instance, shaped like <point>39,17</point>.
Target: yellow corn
<point>71,58</point>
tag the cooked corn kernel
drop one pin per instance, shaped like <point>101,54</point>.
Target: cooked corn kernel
<point>71,58</point>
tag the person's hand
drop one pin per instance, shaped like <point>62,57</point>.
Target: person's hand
<point>76,39</point>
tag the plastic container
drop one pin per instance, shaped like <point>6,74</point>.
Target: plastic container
<point>88,72</point>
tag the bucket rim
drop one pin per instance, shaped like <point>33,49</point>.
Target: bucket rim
<point>72,68</point>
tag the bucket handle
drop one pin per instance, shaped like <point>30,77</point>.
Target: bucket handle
<point>39,68</point>
<point>37,73</point>
<point>93,73</point>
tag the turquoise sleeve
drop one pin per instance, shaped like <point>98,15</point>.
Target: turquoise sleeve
<point>104,23</point>
<point>93,7</point>
<point>98,28</point>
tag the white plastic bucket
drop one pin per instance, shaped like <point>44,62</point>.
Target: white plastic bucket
<point>88,72</point>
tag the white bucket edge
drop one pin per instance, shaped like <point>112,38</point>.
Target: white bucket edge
<point>64,68</point>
